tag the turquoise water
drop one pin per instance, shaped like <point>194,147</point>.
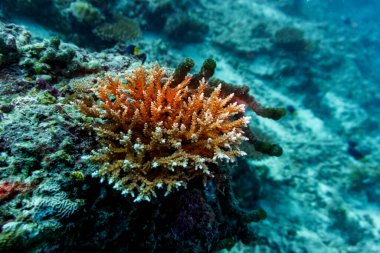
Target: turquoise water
<point>304,71</point>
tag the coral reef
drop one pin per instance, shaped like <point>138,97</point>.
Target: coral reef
<point>184,28</point>
<point>9,190</point>
<point>121,30</point>
<point>40,57</point>
<point>58,205</point>
<point>196,219</point>
<point>157,13</point>
<point>86,13</point>
<point>8,50</point>
<point>366,178</point>
<point>322,194</point>
<point>158,136</point>
<point>241,96</point>
<point>87,23</point>
<point>291,39</point>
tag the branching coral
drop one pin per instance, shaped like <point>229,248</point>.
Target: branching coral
<point>241,95</point>
<point>159,136</point>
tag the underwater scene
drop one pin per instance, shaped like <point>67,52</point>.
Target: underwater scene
<point>159,126</point>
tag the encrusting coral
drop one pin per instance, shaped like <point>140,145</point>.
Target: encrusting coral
<point>158,136</point>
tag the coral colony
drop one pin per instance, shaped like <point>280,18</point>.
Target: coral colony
<point>158,136</point>
<point>102,150</point>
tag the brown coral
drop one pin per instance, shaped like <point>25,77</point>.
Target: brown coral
<point>158,136</point>
<point>121,30</point>
<point>10,189</point>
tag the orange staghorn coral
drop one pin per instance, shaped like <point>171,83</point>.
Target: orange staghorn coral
<point>157,136</point>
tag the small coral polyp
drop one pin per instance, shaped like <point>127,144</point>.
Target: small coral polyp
<point>157,136</point>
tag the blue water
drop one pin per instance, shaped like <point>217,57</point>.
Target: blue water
<point>319,60</point>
